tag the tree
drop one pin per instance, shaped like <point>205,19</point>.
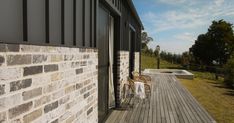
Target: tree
<point>185,59</point>
<point>173,58</point>
<point>216,45</point>
<point>229,72</point>
<point>202,50</point>
<point>145,40</point>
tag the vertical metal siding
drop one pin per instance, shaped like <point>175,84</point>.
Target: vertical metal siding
<point>74,22</point>
<point>55,21</point>
<point>126,19</point>
<point>87,23</point>
<point>36,21</point>
<point>79,23</point>
<point>68,24</point>
<point>47,21</point>
<point>91,23</point>
<point>25,20</point>
<point>11,14</point>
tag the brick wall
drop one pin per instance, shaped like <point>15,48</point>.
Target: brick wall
<point>123,74</point>
<point>44,84</point>
<point>137,61</point>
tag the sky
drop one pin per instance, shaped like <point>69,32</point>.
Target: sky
<point>175,24</point>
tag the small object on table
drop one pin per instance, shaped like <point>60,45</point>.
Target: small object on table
<point>139,90</point>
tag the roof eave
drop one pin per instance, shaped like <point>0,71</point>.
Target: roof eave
<point>135,13</point>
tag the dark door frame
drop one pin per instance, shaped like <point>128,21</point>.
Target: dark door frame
<point>104,102</point>
<point>132,40</point>
<point>116,47</point>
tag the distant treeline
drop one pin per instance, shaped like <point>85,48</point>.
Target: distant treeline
<point>212,51</point>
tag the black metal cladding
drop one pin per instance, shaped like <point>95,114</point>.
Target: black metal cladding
<point>127,19</point>
<point>61,22</point>
<point>25,20</point>
<point>74,22</point>
<point>47,25</point>
<point>48,22</point>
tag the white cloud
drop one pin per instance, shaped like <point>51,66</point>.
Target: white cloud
<point>172,1</point>
<point>185,37</point>
<point>185,21</point>
<point>219,2</point>
<point>172,46</point>
<point>189,18</point>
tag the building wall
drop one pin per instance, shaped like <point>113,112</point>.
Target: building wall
<point>44,84</point>
<point>137,61</point>
<point>123,72</point>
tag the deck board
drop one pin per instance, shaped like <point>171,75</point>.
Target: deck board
<point>169,102</point>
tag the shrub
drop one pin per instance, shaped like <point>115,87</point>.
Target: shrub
<point>229,72</point>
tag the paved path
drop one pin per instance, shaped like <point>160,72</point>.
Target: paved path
<point>170,102</point>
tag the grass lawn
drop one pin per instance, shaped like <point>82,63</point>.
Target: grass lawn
<point>213,95</point>
<point>151,63</point>
<point>210,93</point>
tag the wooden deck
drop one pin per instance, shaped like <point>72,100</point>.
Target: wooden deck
<point>170,102</point>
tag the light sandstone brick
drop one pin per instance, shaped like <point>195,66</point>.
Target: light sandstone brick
<point>49,49</point>
<point>70,89</point>
<point>55,113</point>
<point>41,101</point>
<point>3,117</point>
<point>79,113</point>
<point>70,104</point>
<point>32,116</point>
<point>65,65</point>
<point>41,80</point>
<point>6,73</point>
<point>90,99</point>
<point>10,101</point>
<point>58,94</point>
<point>64,100</point>
<point>56,76</point>
<point>52,87</point>
<point>49,88</point>
<point>18,120</point>
<point>32,93</point>
<point>56,58</point>
<point>30,48</point>
<point>70,119</point>
<point>69,73</point>
<point>64,116</point>
<point>87,82</point>
<point>72,83</point>
<point>55,121</point>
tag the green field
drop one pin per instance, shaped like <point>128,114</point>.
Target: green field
<point>151,63</point>
<point>213,95</point>
<point>210,93</point>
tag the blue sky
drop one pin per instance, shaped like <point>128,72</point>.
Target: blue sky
<point>175,24</point>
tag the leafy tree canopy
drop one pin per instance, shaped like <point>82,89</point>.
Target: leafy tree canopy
<point>145,40</point>
<point>216,45</point>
